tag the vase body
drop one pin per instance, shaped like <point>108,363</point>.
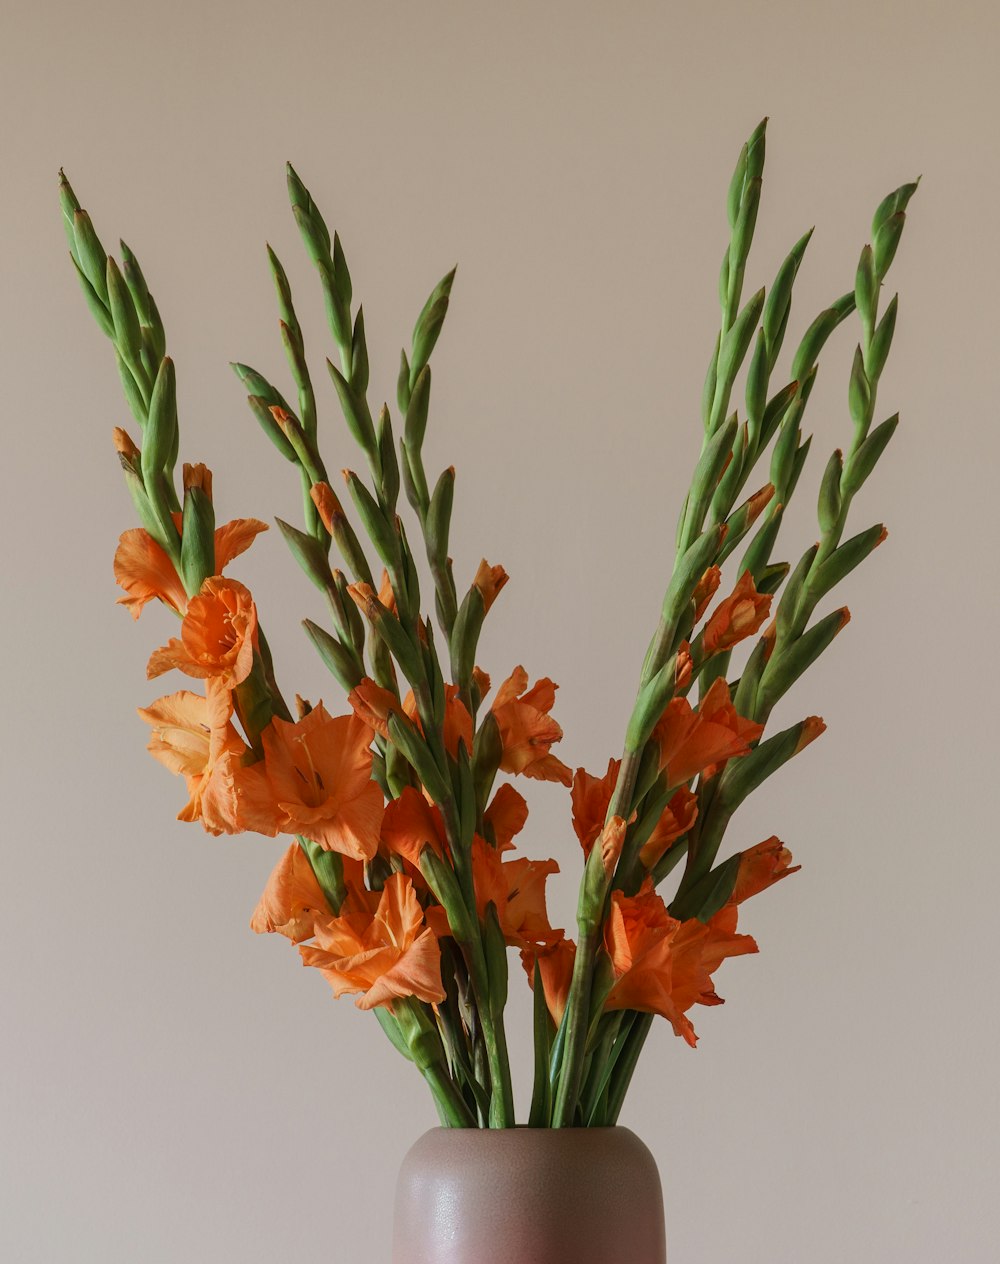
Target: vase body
<point>529,1196</point>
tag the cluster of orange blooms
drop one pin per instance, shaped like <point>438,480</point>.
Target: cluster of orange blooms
<point>313,779</point>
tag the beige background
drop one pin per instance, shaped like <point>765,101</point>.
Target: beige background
<point>175,1089</point>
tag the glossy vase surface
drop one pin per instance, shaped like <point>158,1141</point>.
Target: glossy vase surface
<point>529,1196</point>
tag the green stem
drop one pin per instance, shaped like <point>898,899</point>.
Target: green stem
<point>452,1106</point>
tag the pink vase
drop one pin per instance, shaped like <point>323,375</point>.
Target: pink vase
<point>529,1196</point>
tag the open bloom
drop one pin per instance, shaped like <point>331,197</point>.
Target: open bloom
<point>517,889</point>
<point>527,730</point>
<point>693,742</point>
<point>664,966</point>
<point>320,769</point>
<point>195,738</point>
<point>143,569</point>
<point>379,947</point>
<point>218,635</point>
<point>739,616</point>
<point>292,899</point>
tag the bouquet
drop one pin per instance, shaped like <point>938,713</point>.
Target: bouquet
<point>403,883</point>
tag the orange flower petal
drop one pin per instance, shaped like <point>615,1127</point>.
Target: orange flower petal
<point>506,816</point>
<point>234,538</point>
<point>292,899</point>
<point>143,569</point>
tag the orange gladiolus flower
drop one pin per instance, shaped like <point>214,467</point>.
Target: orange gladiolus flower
<point>146,573</point>
<point>739,616</point>
<point>320,769</point>
<point>218,636</point>
<point>517,889</point>
<point>379,947</point>
<point>693,742</point>
<point>555,966</point>
<point>678,817</point>
<point>410,824</point>
<point>591,799</point>
<point>292,899</point>
<point>527,730</point>
<point>761,867</point>
<point>506,816</point>
<point>195,738</point>
<point>699,948</point>
<point>663,966</point>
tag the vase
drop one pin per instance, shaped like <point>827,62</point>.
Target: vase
<point>529,1196</point>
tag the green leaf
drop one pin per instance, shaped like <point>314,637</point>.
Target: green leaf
<point>161,428</point>
<point>707,896</point>
<point>355,410</point>
<point>339,658</point>
<point>416,412</point>
<point>844,559</point>
<point>881,341</point>
<point>864,460</point>
<point>779,300</point>
<point>90,254</point>
<point>830,502</point>
<point>197,539</point>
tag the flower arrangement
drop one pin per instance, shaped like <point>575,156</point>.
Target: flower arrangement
<point>403,884</point>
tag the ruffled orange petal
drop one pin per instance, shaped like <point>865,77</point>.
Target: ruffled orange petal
<point>506,816</point>
<point>761,867</point>
<point>410,824</point>
<point>591,798</point>
<point>218,635</point>
<point>742,613</point>
<point>146,573</point>
<point>292,899</point>
<point>374,705</point>
<point>234,538</point>
<point>678,817</point>
<point>555,967</point>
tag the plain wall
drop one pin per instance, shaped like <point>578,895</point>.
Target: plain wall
<point>174,1088</point>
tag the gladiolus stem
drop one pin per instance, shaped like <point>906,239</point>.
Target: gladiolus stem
<point>452,1106</point>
